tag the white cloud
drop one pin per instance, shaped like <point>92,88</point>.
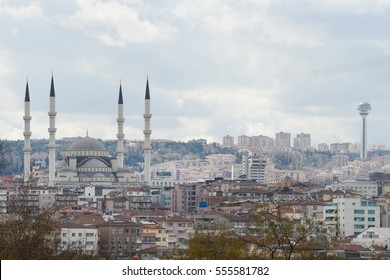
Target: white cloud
<point>116,23</point>
<point>354,6</point>
<point>252,18</point>
<point>93,65</point>
<point>31,11</point>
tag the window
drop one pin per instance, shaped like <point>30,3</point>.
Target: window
<point>73,234</point>
<point>371,211</point>
<point>89,243</point>
<point>372,203</point>
<point>89,234</point>
<point>371,219</point>
<point>358,219</point>
<point>363,203</point>
<point>358,226</point>
<point>80,234</point>
<point>64,235</point>
<point>358,211</point>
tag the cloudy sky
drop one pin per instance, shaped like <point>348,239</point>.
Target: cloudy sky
<point>215,67</point>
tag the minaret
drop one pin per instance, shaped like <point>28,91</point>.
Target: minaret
<point>27,135</point>
<point>363,109</point>
<point>147,133</point>
<point>52,134</point>
<point>120,120</point>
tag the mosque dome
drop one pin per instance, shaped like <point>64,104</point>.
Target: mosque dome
<point>87,144</point>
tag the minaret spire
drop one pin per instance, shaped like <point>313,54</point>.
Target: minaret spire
<point>120,120</point>
<point>52,133</point>
<point>147,133</point>
<point>27,135</point>
<point>147,93</point>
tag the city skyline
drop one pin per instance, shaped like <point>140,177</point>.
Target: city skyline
<point>215,68</point>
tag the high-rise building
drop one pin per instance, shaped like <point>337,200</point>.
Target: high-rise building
<point>302,141</point>
<point>282,140</point>
<point>323,147</point>
<point>228,141</point>
<point>262,142</point>
<point>363,109</point>
<point>244,140</point>
<point>257,164</point>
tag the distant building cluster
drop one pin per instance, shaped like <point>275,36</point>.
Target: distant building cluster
<point>283,142</point>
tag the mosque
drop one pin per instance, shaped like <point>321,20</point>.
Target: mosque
<point>86,160</point>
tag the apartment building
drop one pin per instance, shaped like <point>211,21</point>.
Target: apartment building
<point>228,141</point>
<point>177,229</point>
<point>365,188</point>
<point>350,216</point>
<point>74,236</point>
<point>302,141</point>
<point>119,239</point>
<point>282,140</point>
<point>244,141</point>
<point>340,160</point>
<point>185,198</point>
<point>257,164</point>
<point>138,198</point>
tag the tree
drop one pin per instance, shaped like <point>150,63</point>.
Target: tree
<point>27,232</point>
<point>274,236</point>
<point>3,158</point>
<point>215,245</point>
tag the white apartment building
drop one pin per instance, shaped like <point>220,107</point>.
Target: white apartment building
<point>350,216</point>
<point>365,188</point>
<point>257,164</point>
<point>74,236</point>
